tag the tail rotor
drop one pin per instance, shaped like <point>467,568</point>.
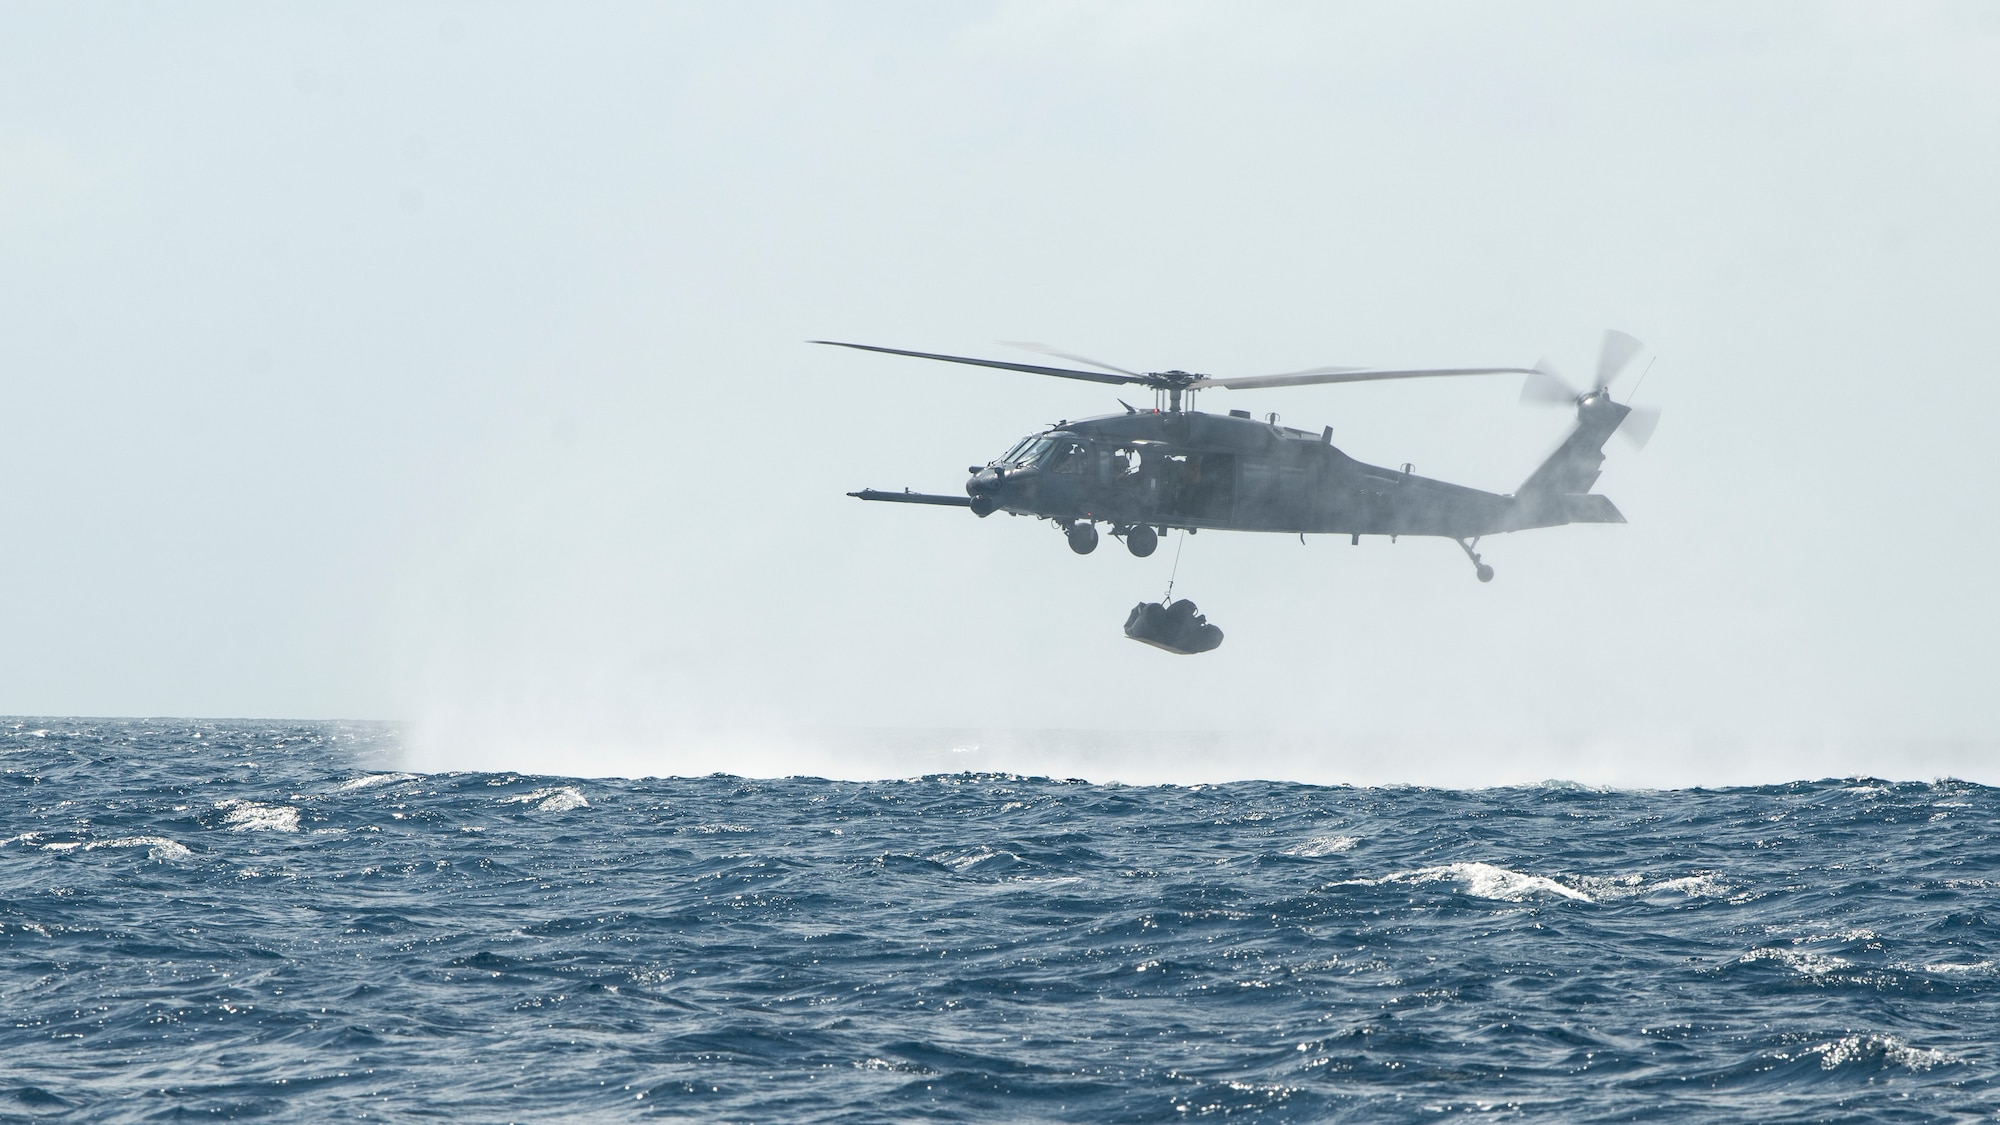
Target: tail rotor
<point>1615,355</point>
<point>1546,385</point>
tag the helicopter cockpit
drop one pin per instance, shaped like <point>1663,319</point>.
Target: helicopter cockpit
<point>1025,452</point>
<point>1068,455</point>
<point>1044,450</point>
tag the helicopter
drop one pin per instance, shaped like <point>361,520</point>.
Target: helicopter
<point>1145,472</point>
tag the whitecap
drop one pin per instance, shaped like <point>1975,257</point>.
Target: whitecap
<point>877,1063</point>
<point>560,798</point>
<point>967,860</point>
<point>158,847</point>
<point>1804,962</point>
<point>1948,968</point>
<point>1272,1090</point>
<point>1323,845</point>
<point>249,816</point>
<point>1887,1048</point>
<point>1705,884</point>
<point>1484,880</point>
<point>370,781</point>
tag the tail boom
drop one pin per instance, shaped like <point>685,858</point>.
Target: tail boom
<point>1558,491</point>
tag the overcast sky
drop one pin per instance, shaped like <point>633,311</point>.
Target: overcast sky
<point>445,363</point>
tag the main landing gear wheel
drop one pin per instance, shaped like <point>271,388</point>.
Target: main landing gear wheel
<point>1479,569</point>
<point>1082,537</point>
<point>1141,541</point>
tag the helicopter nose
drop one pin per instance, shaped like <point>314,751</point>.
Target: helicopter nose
<point>983,483</point>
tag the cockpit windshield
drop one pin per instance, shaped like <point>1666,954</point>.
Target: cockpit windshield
<point>1014,454</point>
<point>1026,451</point>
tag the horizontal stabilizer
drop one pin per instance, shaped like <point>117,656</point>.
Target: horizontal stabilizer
<point>908,497</point>
<point>1591,507</point>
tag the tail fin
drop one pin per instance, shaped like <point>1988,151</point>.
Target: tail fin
<point>1558,491</point>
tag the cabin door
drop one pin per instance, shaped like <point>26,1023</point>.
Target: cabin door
<point>1200,486</point>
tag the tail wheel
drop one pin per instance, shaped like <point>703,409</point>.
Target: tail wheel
<point>1479,566</point>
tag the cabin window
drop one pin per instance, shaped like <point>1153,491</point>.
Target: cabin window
<point>1200,484</point>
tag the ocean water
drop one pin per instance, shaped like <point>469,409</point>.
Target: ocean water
<point>269,921</point>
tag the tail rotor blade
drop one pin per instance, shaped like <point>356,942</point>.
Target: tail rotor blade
<point>1545,385</point>
<point>1639,425</point>
<point>1618,351</point>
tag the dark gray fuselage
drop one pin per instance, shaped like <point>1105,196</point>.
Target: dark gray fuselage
<point>1187,469</point>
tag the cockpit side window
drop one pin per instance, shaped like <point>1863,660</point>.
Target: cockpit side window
<point>1068,456</point>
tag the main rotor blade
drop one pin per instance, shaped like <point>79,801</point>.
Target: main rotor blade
<point>1361,375</point>
<point>1639,425</point>
<point>1307,371</point>
<point>1047,350</point>
<point>1544,384</point>
<point>1032,369</point>
<point>1617,351</point>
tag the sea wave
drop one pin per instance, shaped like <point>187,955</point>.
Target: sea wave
<point>157,847</point>
<point>1805,962</point>
<point>372,780</point>
<point>1873,1051</point>
<point>1323,846</point>
<point>1483,880</point>
<point>323,935</point>
<point>1705,884</point>
<point>554,798</point>
<point>251,816</point>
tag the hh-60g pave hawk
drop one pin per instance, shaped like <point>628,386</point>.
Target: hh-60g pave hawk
<point>1146,472</point>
